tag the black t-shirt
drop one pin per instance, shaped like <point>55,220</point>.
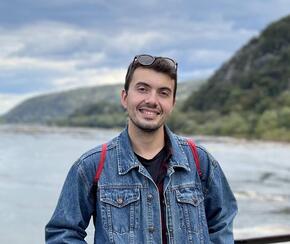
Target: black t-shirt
<point>154,165</point>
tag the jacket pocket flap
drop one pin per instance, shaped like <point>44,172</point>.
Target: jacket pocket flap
<point>190,195</point>
<point>119,197</point>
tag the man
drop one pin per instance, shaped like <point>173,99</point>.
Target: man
<point>149,190</point>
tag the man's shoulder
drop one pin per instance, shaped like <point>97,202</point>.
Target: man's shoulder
<point>184,141</point>
<point>202,152</point>
<point>93,154</point>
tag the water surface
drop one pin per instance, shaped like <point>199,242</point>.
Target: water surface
<point>34,162</point>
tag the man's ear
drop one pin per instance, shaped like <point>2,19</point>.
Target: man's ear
<point>124,95</point>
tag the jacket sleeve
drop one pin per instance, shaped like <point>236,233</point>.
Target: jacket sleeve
<point>220,203</point>
<point>73,211</point>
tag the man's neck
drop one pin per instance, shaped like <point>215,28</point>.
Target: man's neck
<point>146,144</point>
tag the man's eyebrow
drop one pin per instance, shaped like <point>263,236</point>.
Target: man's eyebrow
<point>165,88</point>
<point>142,83</point>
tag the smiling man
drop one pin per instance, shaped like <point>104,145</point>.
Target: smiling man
<point>147,185</point>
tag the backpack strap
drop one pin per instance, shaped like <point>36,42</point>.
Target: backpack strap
<point>195,155</point>
<point>101,163</point>
<point>97,176</point>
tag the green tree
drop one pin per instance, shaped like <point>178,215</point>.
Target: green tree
<point>267,123</point>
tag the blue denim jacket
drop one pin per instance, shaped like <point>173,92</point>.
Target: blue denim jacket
<point>198,210</point>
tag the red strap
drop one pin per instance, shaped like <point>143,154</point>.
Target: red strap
<point>101,163</point>
<point>195,156</point>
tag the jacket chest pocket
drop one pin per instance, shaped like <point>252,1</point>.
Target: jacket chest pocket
<point>120,208</point>
<point>190,204</point>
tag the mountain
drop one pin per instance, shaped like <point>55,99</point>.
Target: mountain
<point>81,106</point>
<point>58,106</point>
<point>256,78</point>
<point>250,94</point>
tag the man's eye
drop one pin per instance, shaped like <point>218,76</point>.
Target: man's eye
<point>165,93</point>
<point>142,89</point>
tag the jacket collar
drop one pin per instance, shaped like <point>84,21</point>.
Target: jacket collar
<point>179,158</point>
<point>127,159</point>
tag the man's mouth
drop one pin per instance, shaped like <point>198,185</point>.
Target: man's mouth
<point>149,112</point>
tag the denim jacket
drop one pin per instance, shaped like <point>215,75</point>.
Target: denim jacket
<point>126,205</point>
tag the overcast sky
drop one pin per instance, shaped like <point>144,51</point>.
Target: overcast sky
<point>53,45</point>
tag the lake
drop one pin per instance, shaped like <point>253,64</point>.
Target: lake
<point>34,162</point>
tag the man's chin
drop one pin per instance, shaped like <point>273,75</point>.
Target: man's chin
<point>148,128</point>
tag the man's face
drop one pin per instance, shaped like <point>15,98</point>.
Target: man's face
<point>149,99</point>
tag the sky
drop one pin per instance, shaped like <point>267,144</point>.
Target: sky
<point>49,46</point>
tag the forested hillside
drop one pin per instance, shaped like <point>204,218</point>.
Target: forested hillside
<point>53,107</point>
<point>90,106</point>
<point>250,94</point>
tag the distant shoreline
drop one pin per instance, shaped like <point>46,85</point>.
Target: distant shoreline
<point>44,129</point>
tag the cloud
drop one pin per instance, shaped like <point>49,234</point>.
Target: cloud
<point>196,74</point>
<point>201,57</point>
<point>50,40</point>
<point>49,54</point>
<point>133,41</point>
<point>89,78</point>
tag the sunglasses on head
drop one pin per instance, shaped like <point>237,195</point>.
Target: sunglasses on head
<point>146,60</point>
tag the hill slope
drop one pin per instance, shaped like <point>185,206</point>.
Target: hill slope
<point>82,107</point>
<point>57,106</point>
<point>255,78</point>
<point>250,94</point>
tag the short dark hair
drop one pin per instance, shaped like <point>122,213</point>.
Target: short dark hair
<point>159,65</point>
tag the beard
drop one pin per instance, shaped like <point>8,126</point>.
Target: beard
<point>146,127</point>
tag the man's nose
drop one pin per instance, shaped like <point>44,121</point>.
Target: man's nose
<point>152,98</point>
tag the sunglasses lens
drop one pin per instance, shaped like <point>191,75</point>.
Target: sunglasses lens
<point>145,59</point>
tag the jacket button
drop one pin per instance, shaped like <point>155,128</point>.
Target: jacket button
<point>151,229</point>
<point>149,197</point>
<point>119,200</point>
